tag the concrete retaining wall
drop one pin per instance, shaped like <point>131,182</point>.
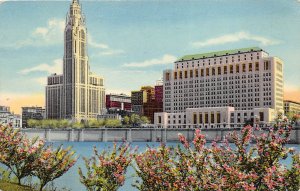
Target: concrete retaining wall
<point>133,134</point>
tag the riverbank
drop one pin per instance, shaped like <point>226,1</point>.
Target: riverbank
<point>134,134</point>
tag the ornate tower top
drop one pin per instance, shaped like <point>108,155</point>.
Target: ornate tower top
<point>74,16</point>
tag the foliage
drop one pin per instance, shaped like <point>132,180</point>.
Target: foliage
<point>18,153</point>
<point>126,120</point>
<point>95,123</point>
<point>220,167</point>
<point>13,186</point>
<point>53,163</point>
<point>112,123</point>
<point>145,120</point>
<point>29,157</point>
<point>106,171</point>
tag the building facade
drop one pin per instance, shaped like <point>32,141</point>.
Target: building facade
<point>77,94</point>
<point>118,104</point>
<point>9,119</point>
<point>37,113</point>
<point>244,79</point>
<point>291,107</point>
<point>147,101</point>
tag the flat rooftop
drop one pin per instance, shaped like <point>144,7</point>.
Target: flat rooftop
<point>219,53</point>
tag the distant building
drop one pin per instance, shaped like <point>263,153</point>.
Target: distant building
<point>37,113</point>
<point>77,94</point>
<point>246,80</point>
<point>138,98</point>
<point>8,118</point>
<point>109,116</point>
<point>291,107</point>
<point>147,101</point>
<point>118,104</point>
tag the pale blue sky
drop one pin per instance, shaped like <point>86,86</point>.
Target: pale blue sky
<point>131,42</point>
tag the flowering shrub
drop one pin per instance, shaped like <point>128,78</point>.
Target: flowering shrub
<point>29,157</point>
<point>106,171</point>
<point>18,153</point>
<point>52,164</point>
<point>241,166</point>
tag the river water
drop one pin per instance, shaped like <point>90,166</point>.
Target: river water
<point>70,180</point>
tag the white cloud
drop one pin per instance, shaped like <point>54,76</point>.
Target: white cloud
<point>94,44</point>
<point>236,37</point>
<point>105,50</point>
<point>52,33</point>
<point>166,59</point>
<point>56,67</point>
<point>2,1</point>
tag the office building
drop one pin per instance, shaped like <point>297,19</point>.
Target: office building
<point>241,79</point>
<point>34,112</point>
<point>118,104</point>
<point>77,94</point>
<point>291,107</point>
<point>9,119</point>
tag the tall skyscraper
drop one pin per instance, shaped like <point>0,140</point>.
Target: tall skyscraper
<point>77,94</point>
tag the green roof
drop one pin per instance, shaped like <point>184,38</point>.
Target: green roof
<point>218,53</point>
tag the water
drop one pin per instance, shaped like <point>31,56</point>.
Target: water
<point>71,181</point>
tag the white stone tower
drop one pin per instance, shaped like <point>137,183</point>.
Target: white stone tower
<point>82,94</point>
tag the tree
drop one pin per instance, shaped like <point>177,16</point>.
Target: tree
<point>112,123</point>
<point>106,171</point>
<point>51,164</point>
<point>126,120</point>
<point>145,120</point>
<point>19,153</point>
<point>135,119</point>
<point>252,164</point>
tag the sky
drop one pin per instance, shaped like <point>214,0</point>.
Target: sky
<point>130,43</point>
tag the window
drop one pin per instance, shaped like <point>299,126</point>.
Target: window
<point>213,71</point>
<point>219,70</point>
<point>200,118</point>
<point>212,118</point>
<point>180,75</point>
<point>175,75</point>
<point>256,66</point>
<point>250,67</point>
<point>206,118</point>
<point>244,67</point>
<point>191,73</point>
<point>207,71</point>
<point>266,65</point>
<point>167,76</point>
<point>202,72</point>
<point>231,69</point>
<point>159,119</point>
<point>225,69</point>
<point>218,117</point>
<point>196,73</point>
<point>261,116</point>
<point>195,118</point>
<point>185,74</point>
<point>237,68</point>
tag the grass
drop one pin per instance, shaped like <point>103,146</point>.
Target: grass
<point>8,186</point>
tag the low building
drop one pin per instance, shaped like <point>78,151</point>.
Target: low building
<point>291,107</point>
<point>33,112</point>
<point>8,118</point>
<point>118,104</point>
<point>217,117</point>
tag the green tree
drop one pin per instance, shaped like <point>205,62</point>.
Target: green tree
<point>126,120</point>
<point>135,119</point>
<point>145,120</point>
<point>113,123</point>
